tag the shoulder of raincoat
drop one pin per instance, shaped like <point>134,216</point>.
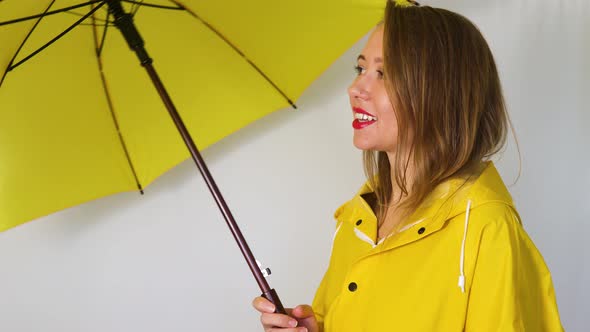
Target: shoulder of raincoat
<point>461,262</point>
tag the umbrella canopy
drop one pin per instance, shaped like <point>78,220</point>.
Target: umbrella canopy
<point>80,119</point>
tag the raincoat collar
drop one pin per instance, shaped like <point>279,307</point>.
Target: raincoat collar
<point>447,200</point>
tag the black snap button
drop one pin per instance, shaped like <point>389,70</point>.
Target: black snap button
<point>352,286</point>
<point>358,222</point>
<point>421,230</point>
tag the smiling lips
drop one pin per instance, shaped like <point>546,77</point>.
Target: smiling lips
<point>362,118</point>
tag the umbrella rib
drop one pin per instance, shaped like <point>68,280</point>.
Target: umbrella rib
<point>235,48</point>
<point>104,34</point>
<point>23,43</point>
<point>98,47</point>
<point>47,13</point>
<point>56,38</point>
<point>135,8</point>
<point>141,3</point>
<point>95,19</point>
<point>90,24</point>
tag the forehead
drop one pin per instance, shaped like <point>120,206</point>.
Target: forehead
<point>374,46</point>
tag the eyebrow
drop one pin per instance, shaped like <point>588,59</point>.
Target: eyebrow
<point>362,57</point>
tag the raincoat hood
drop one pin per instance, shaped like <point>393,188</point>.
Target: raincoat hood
<point>447,200</point>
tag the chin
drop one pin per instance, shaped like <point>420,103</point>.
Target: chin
<point>362,145</point>
<point>366,146</point>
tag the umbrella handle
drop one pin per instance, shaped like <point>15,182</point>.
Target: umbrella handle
<point>124,22</point>
<point>272,296</point>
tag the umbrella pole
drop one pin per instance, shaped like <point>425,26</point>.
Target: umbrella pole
<point>124,23</point>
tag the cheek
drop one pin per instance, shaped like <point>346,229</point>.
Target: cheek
<point>382,99</point>
<point>387,114</point>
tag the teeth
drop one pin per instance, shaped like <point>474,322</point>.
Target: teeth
<point>364,117</point>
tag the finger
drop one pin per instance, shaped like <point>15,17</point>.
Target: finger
<point>296,329</point>
<point>263,305</point>
<point>302,311</point>
<point>277,320</point>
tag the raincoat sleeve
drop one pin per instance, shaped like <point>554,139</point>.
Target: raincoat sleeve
<point>512,288</point>
<point>319,303</point>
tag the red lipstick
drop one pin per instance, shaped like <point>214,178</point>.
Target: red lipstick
<point>360,124</point>
<point>360,110</point>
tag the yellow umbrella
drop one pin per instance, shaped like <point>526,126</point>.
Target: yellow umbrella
<point>75,126</point>
<point>79,119</point>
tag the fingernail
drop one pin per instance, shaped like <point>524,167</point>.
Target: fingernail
<point>270,308</point>
<point>293,323</point>
<point>303,329</point>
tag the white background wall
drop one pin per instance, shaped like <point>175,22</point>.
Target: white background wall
<point>165,261</point>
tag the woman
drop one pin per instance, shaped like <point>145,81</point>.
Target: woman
<point>432,241</point>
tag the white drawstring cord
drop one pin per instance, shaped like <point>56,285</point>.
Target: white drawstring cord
<point>461,266</point>
<point>334,237</point>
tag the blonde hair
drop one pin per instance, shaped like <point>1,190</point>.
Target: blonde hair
<point>443,83</point>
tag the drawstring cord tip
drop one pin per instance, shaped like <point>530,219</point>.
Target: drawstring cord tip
<point>462,283</point>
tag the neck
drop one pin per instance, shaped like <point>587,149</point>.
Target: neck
<point>396,191</point>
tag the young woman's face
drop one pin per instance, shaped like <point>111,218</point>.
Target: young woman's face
<point>375,124</point>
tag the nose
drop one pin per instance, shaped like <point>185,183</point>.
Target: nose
<point>360,87</point>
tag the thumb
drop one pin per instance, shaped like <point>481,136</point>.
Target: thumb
<point>302,311</point>
<point>305,316</point>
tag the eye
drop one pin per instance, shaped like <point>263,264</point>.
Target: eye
<point>380,72</point>
<point>358,69</point>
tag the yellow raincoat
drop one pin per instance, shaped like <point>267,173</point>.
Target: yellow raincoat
<point>462,262</point>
